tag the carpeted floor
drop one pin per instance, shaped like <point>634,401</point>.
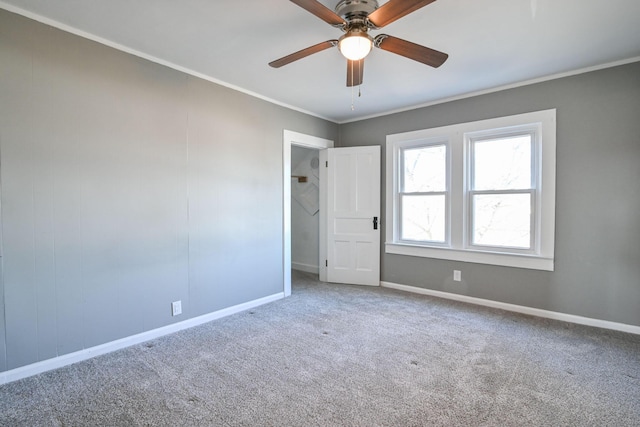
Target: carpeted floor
<point>337,355</point>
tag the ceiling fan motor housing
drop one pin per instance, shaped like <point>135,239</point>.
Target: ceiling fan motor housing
<point>356,11</point>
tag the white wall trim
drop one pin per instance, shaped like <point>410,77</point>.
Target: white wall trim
<point>123,48</point>
<point>305,267</point>
<point>500,88</point>
<point>139,54</point>
<point>88,353</point>
<point>571,318</point>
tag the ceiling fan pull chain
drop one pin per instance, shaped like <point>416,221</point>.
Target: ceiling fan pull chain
<point>352,89</point>
<point>352,106</point>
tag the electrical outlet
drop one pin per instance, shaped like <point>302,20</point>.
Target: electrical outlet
<point>457,275</point>
<point>176,308</point>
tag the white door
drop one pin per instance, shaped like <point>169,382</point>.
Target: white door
<point>353,215</point>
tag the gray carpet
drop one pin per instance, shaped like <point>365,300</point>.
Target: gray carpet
<point>336,355</point>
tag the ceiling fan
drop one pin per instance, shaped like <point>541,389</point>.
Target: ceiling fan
<point>355,18</point>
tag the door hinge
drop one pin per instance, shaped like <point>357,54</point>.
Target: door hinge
<point>326,263</point>
<point>326,164</point>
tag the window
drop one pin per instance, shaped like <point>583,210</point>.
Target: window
<point>478,192</point>
<point>502,191</point>
<point>423,194</point>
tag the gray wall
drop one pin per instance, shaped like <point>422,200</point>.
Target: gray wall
<point>125,186</point>
<point>597,247</point>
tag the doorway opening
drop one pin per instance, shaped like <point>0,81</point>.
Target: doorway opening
<point>291,139</point>
<point>305,209</point>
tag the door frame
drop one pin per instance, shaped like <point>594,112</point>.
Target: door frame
<point>290,138</point>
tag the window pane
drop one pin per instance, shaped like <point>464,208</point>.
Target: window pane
<point>424,169</point>
<point>502,220</point>
<point>423,218</point>
<point>502,164</point>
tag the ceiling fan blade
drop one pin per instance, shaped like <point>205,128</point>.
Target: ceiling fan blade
<point>411,50</point>
<point>321,11</point>
<point>303,53</point>
<point>395,9</point>
<point>355,72</point>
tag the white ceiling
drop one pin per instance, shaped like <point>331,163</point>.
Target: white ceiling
<point>491,44</point>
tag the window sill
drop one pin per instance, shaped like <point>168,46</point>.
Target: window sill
<point>532,262</point>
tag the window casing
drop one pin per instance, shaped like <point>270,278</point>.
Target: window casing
<point>498,191</point>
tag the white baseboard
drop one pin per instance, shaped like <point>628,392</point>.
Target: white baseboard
<point>305,267</point>
<point>88,353</point>
<point>605,324</point>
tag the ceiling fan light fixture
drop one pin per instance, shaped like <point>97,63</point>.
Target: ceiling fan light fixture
<point>355,18</point>
<point>355,45</point>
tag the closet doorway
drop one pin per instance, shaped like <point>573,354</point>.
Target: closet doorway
<point>314,144</point>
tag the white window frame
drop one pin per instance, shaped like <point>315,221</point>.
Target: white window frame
<point>534,130</point>
<point>460,137</point>
<point>431,142</point>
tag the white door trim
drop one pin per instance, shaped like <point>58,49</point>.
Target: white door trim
<point>290,138</point>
